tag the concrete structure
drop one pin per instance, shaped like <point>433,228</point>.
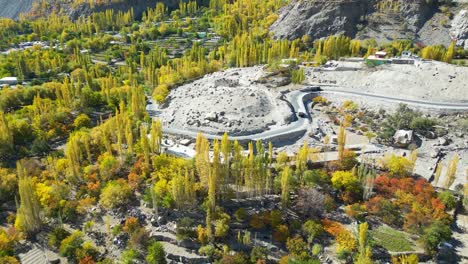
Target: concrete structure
<point>377,59</point>
<point>380,54</point>
<point>9,81</point>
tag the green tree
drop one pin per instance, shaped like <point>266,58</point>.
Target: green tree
<point>115,194</point>
<point>156,254</point>
<point>70,245</point>
<point>436,233</point>
<point>286,176</point>
<point>364,254</point>
<point>28,217</point>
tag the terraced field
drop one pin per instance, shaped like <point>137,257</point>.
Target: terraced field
<point>12,8</point>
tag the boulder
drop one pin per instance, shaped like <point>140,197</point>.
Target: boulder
<point>185,142</point>
<point>212,116</point>
<point>403,138</point>
<point>435,153</point>
<point>443,141</point>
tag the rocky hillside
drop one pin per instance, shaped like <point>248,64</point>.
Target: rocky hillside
<point>383,20</point>
<point>12,9</point>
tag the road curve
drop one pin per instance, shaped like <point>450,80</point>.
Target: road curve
<point>299,100</point>
<point>296,128</point>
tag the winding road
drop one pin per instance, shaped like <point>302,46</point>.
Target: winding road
<point>299,100</point>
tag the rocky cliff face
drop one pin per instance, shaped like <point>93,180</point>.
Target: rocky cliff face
<point>459,28</point>
<point>319,18</point>
<point>363,19</point>
<point>12,8</point>
<point>139,6</point>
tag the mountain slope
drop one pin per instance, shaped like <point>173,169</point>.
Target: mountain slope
<point>382,20</point>
<point>12,8</point>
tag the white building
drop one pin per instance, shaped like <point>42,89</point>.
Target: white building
<point>9,81</point>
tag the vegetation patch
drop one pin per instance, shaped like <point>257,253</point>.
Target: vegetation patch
<point>392,240</point>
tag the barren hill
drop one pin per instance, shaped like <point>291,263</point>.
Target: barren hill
<point>12,8</point>
<point>382,20</point>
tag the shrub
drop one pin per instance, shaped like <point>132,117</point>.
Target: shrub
<point>356,211</point>
<point>116,193</point>
<point>156,254</point>
<point>275,218</point>
<point>312,229</point>
<point>240,214</point>
<point>131,225</point>
<point>344,238</point>
<point>129,256</point>
<point>297,247</point>
<point>448,199</point>
<point>56,236</point>
<point>258,253</point>
<point>316,177</point>
<point>222,225</point>
<point>81,121</point>
<point>433,235</point>
<point>256,222</point>
<point>70,245</point>
<point>316,249</point>
<point>202,235</point>
<point>185,229</point>
<point>281,233</point>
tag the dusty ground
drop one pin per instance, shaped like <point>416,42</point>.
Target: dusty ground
<point>229,101</point>
<point>428,80</point>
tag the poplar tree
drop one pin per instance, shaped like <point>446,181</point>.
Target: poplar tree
<point>302,157</point>
<point>364,254</point>
<point>202,159</point>
<point>145,146</point>
<point>156,136</point>
<point>341,142</point>
<point>237,165</point>
<point>226,151</point>
<point>451,171</point>
<point>6,138</point>
<point>28,217</point>
<point>286,175</point>
<point>215,175</point>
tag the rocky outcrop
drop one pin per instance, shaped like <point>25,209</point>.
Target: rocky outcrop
<point>139,6</point>
<point>459,28</point>
<point>12,9</point>
<point>366,19</point>
<point>319,18</point>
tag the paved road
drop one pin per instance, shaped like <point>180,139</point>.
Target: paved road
<point>297,127</point>
<point>423,103</point>
<point>300,126</point>
<point>12,8</point>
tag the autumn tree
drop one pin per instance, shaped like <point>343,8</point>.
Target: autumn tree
<point>341,142</point>
<point>202,159</point>
<point>286,176</point>
<point>28,217</point>
<point>364,249</point>
<point>451,171</point>
<point>156,136</point>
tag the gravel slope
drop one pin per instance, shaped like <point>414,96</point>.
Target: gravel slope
<point>428,81</point>
<point>12,8</point>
